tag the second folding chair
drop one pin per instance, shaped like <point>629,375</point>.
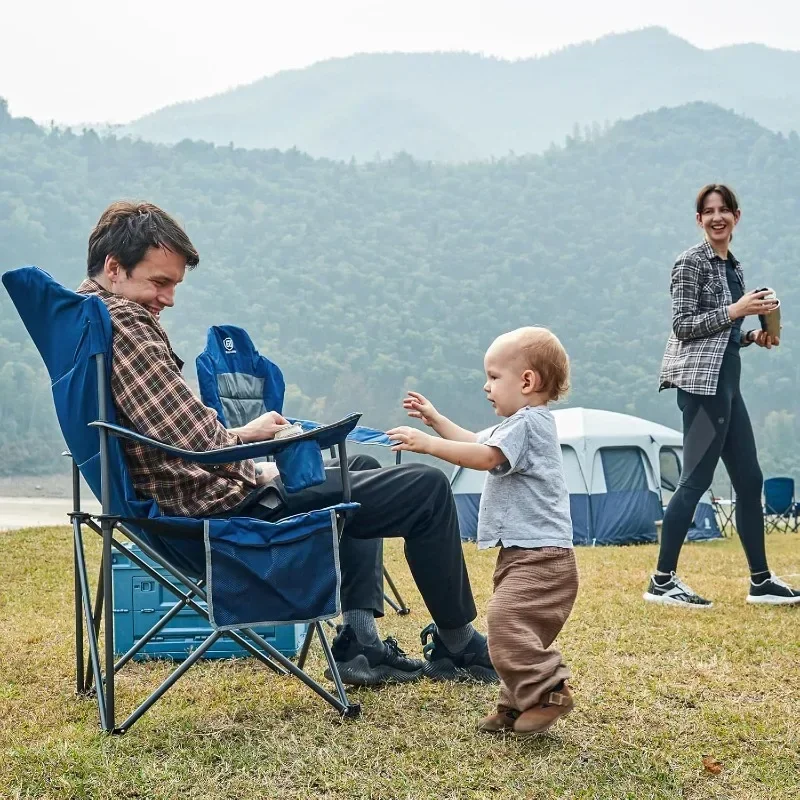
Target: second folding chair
<point>240,384</point>
<point>780,505</point>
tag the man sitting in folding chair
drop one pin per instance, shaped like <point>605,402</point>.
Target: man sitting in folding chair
<point>137,256</point>
<point>251,572</point>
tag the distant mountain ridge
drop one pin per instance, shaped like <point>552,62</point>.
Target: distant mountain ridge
<point>462,106</point>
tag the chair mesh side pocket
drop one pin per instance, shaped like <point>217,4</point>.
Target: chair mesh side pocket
<point>265,573</point>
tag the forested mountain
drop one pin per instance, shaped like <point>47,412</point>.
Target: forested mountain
<point>363,281</point>
<point>460,106</point>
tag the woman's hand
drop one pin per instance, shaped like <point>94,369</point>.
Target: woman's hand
<point>763,339</point>
<point>410,439</point>
<point>420,407</point>
<point>752,303</point>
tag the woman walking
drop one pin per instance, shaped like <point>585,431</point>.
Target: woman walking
<point>702,361</point>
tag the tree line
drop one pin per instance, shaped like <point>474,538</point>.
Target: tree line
<point>363,280</point>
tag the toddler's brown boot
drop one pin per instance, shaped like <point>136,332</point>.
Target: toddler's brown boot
<point>501,721</point>
<point>542,717</point>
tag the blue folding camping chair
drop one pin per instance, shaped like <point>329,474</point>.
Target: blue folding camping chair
<point>248,572</point>
<point>240,384</point>
<point>780,504</point>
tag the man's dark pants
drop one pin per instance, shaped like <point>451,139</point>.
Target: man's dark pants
<point>412,501</point>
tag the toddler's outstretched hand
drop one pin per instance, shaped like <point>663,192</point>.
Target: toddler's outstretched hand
<point>409,439</point>
<point>419,407</point>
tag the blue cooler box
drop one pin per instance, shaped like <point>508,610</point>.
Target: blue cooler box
<point>140,601</point>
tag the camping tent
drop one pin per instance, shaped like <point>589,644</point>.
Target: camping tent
<point>619,471</point>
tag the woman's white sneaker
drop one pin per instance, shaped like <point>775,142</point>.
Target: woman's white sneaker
<point>773,592</point>
<point>674,593</point>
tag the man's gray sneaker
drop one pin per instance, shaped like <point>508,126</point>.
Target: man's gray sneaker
<point>364,665</point>
<point>674,593</point>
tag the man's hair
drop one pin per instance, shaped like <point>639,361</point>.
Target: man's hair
<point>542,352</point>
<point>728,196</point>
<point>128,230</point>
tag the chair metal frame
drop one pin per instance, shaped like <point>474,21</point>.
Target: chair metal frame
<point>98,677</point>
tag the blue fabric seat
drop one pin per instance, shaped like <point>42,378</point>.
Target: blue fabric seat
<point>240,384</point>
<point>248,571</point>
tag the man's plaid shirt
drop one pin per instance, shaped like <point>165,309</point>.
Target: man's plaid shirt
<point>701,324</point>
<point>152,397</point>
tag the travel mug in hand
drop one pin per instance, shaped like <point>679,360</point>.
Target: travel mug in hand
<point>771,322</point>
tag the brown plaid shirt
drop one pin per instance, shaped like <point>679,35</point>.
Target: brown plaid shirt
<point>152,398</point>
<point>701,324</point>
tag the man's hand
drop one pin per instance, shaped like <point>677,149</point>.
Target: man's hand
<point>763,339</point>
<point>266,472</point>
<point>419,407</point>
<point>261,428</point>
<point>410,439</point>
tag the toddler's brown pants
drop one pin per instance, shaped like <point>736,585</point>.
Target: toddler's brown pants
<point>534,591</point>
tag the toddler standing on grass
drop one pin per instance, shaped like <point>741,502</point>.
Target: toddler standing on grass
<point>524,511</point>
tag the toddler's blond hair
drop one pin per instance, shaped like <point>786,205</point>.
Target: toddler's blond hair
<point>540,350</point>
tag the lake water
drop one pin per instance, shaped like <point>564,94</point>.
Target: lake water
<point>33,512</point>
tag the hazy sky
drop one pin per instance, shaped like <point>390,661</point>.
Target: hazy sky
<point>93,60</point>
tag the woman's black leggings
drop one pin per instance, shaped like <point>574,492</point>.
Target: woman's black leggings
<point>717,426</point>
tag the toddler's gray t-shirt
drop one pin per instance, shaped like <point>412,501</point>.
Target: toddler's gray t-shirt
<point>525,502</point>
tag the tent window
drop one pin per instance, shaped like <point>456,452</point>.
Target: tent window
<point>670,467</point>
<point>623,469</point>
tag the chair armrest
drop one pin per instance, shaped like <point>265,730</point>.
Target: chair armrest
<point>360,434</point>
<point>325,435</point>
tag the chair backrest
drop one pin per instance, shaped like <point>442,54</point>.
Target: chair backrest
<point>240,384</point>
<point>71,332</point>
<point>235,379</point>
<point>778,495</point>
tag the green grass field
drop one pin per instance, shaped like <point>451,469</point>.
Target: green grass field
<point>657,690</point>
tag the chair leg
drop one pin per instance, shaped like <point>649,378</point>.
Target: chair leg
<point>75,519</point>
<point>391,603</point>
<point>350,710</point>
<point>108,603</point>
<point>80,682</point>
<point>303,655</point>
<point>400,607</point>
<point>771,523</point>
<point>97,615</point>
<point>94,651</point>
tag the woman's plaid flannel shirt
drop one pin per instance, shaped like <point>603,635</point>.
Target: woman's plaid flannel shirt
<point>701,324</point>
